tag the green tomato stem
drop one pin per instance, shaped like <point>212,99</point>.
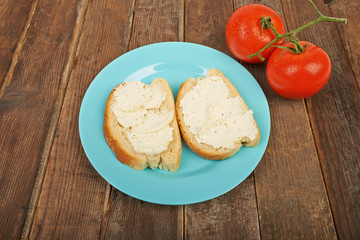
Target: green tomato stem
<point>315,8</point>
<point>292,33</point>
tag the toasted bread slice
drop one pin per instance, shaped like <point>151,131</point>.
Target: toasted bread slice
<point>117,138</point>
<point>206,150</point>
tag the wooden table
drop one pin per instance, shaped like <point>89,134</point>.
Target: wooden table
<point>307,185</point>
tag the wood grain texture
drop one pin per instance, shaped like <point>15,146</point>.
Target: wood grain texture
<point>307,186</point>
<point>74,195</point>
<point>26,107</point>
<point>334,115</point>
<point>204,28</point>
<point>233,215</point>
<point>292,201</point>
<point>127,217</point>
<point>13,18</point>
<point>291,196</point>
<point>230,216</point>
<point>156,21</point>
<point>349,33</point>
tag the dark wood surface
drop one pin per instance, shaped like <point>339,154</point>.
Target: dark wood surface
<point>307,185</point>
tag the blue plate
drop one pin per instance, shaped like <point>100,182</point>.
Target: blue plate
<point>197,179</point>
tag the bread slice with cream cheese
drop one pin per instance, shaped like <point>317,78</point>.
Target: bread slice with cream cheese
<point>140,125</point>
<point>213,118</point>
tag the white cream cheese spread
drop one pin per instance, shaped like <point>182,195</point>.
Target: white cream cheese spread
<point>214,117</point>
<point>137,109</point>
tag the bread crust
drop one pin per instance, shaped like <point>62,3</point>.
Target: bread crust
<point>124,151</point>
<point>202,149</point>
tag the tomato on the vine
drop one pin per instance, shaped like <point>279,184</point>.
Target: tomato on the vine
<point>297,76</point>
<point>244,33</point>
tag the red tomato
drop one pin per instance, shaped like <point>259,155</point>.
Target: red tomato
<point>243,32</point>
<point>297,76</point>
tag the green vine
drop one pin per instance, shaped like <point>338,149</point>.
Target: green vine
<point>291,36</point>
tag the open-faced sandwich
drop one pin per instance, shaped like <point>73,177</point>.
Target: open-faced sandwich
<point>140,125</point>
<point>214,119</point>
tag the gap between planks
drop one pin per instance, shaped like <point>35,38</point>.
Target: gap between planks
<point>182,25</point>
<point>18,49</point>
<point>182,22</point>
<point>55,115</point>
<point>343,44</point>
<point>108,192</point>
<point>321,167</point>
<point>327,1</point>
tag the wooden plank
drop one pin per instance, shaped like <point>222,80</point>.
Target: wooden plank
<point>135,219</point>
<point>291,198</point>
<point>334,115</point>
<point>164,21</point>
<point>14,14</point>
<point>156,21</point>
<point>26,107</point>
<point>230,216</point>
<point>74,196</point>
<point>233,215</point>
<point>204,28</point>
<point>349,33</point>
